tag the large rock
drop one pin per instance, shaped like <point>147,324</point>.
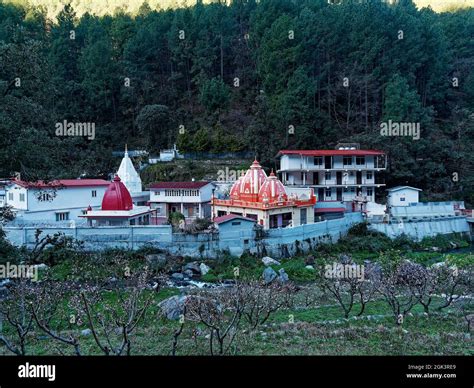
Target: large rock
<point>267,261</point>
<point>283,276</point>
<point>177,276</point>
<point>194,266</point>
<point>269,275</point>
<point>188,273</point>
<point>310,267</point>
<point>172,308</point>
<point>204,269</point>
<point>156,262</point>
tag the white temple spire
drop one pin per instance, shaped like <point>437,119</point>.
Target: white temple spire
<point>128,175</point>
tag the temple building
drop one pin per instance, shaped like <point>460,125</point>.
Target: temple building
<point>264,199</point>
<point>118,209</point>
<point>132,181</point>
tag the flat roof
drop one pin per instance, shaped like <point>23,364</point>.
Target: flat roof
<point>229,217</point>
<point>331,152</point>
<point>179,185</point>
<point>397,188</point>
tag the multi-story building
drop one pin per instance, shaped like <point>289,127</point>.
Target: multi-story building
<point>192,199</point>
<point>346,174</point>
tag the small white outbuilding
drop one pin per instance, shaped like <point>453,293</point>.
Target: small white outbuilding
<point>402,196</point>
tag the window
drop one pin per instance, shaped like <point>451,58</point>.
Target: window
<point>235,223</point>
<point>328,176</point>
<point>94,193</point>
<point>369,191</point>
<point>10,196</point>
<point>402,199</point>
<point>22,197</point>
<point>318,161</point>
<point>45,197</point>
<point>347,160</point>
<point>369,175</point>
<point>360,160</point>
<point>328,193</point>
<point>62,216</point>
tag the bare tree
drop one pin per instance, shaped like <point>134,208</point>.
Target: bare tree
<point>452,283</point>
<point>466,308</point>
<point>16,314</point>
<point>260,302</point>
<point>53,316</point>
<point>112,320</point>
<point>347,290</point>
<point>220,312</point>
<point>399,284</point>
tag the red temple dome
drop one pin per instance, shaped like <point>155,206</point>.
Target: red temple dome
<point>272,190</point>
<point>247,187</point>
<point>235,190</point>
<point>117,197</point>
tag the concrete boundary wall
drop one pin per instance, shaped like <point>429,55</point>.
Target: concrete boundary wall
<point>276,242</point>
<point>420,229</point>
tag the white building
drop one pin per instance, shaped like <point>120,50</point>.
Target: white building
<point>53,202</point>
<point>192,199</point>
<point>346,174</point>
<point>403,196</point>
<point>132,181</point>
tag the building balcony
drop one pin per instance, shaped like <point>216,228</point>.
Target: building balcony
<point>364,167</point>
<point>333,184</point>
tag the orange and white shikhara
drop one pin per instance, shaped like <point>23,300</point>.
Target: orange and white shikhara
<point>264,199</point>
<point>118,208</point>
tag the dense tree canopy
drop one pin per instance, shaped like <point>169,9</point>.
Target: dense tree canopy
<point>235,77</point>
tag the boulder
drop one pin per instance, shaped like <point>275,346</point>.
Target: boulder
<point>204,269</point>
<point>310,267</point>
<point>156,262</point>
<point>173,307</point>
<point>177,276</point>
<point>453,244</point>
<point>269,275</point>
<point>194,267</point>
<point>188,273</point>
<point>283,276</point>
<point>267,261</point>
<point>86,332</point>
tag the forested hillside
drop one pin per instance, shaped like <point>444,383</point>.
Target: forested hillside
<point>239,77</point>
